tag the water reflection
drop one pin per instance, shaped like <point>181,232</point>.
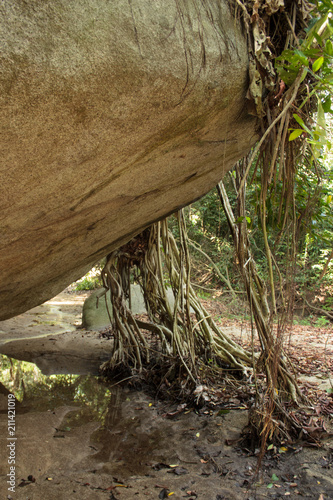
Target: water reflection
<point>38,392</point>
<point>123,438</point>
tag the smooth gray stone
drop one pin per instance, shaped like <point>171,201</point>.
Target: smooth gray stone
<point>95,314</point>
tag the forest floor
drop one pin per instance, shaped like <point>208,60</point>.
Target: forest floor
<point>309,347</point>
<point>134,445</point>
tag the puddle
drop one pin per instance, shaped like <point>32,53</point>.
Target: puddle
<point>100,419</point>
<point>35,391</point>
<point>80,429</point>
<point>66,424</point>
<point>73,353</point>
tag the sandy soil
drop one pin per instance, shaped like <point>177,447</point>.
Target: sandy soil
<point>50,336</point>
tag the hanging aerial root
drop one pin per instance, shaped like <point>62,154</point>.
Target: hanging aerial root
<point>269,419</point>
<point>186,332</point>
<point>130,347</point>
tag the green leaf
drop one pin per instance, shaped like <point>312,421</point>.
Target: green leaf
<point>318,38</point>
<point>299,120</point>
<point>286,55</point>
<point>239,220</point>
<point>317,64</point>
<point>330,390</point>
<point>328,79</point>
<point>295,133</point>
<point>315,25</point>
<point>287,76</point>
<point>275,478</point>
<point>222,412</point>
<point>270,447</point>
<point>329,47</point>
<point>270,485</point>
<point>301,57</point>
<point>320,131</point>
<point>301,123</point>
<point>248,220</point>
<point>305,72</point>
<point>327,105</point>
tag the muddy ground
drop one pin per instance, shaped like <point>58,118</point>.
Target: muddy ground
<point>78,436</point>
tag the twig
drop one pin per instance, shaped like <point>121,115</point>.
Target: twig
<point>322,311</point>
<point>211,290</point>
<point>328,370</point>
<point>120,381</point>
<point>218,272</point>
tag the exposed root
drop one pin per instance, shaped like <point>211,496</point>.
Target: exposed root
<point>184,328</point>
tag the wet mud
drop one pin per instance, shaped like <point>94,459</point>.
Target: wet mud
<point>81,436</point>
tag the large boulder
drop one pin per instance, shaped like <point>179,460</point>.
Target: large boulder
<point>113,115</point>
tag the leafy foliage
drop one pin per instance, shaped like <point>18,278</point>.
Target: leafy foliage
<point>91,280</point>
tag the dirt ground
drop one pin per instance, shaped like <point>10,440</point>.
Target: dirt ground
<point>83,437</point>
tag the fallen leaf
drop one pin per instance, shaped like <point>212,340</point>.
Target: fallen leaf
<point>222,412</point>
<point>23,483</point>
<point>161,465</point>
<point>163,494</point>
<point>180,408</point>
<point>179,471</point>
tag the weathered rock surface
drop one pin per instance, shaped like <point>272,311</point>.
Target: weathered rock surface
<point>112,115</point>
<point>95,313</point>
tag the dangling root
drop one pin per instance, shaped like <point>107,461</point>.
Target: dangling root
<point>130,346</point>
<point>181,337</point>
<point>268,420</point>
